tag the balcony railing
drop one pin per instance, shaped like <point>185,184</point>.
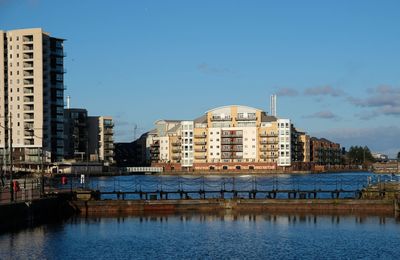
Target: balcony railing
<point>176,150</point>
<point>272,149</point>
<point>219,118</point>
<point>200,143</point>
<point>231,142</point>
<point>176,143</point>
<point>200,136</point>
<point>268,134</point>
<point>246,119</point>
<point>200,157</point>
<point>231,135</point>
<point>200,150</point>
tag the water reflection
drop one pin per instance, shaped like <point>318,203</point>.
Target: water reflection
<point>208,235</point>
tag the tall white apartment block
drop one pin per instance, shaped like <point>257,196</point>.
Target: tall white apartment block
<point>32,94</point>
<point>284,142</point>
<point>187,128</point>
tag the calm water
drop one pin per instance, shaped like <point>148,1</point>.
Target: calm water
<point>209,237</point>
<point>333,181</point>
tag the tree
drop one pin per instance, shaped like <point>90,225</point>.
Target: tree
<point>359,155</point>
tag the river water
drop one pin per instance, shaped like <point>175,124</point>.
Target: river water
<point>199,236</point>
<point>223,235</point>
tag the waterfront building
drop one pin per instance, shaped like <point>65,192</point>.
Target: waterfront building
<point>31,95</point>
<point>136,153</point>
<point>325,152</point>
<point>76,142</point>
<point>228,138</point>
<point>100,137</point>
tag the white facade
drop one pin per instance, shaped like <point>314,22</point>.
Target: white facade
<point>214,144</point>
<point>284,136</point>
<point>187,143</point>
<point>164,148</point>
<point>249,143</point>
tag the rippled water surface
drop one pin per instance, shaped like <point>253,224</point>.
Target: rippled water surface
<point>226,236</point>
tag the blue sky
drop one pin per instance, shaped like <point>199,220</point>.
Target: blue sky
<point>335,65</point>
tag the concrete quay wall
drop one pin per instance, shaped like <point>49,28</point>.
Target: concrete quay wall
<point>342,206</point>
<point>24,214</point>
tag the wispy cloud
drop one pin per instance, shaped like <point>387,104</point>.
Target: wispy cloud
<point>212,70</point>
<point>378,139</point>
<point>323,115</point>
<point>383,100</point>
<point>287,92</point>
<point>324,91</point>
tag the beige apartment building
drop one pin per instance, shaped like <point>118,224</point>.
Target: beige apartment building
<point>101,143</point>
<point>31,94</point>
<point>226,138</point>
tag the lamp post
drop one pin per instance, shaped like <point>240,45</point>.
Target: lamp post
<point>41,160</point>
<point>6,129</point>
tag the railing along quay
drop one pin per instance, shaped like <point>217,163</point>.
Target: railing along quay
<point>234,187</point>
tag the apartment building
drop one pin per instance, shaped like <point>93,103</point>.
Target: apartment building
<point>32,94</point>
<point>229,137</point>
<point>101,143</point>
<point>324,152</point>
<point>76,142</point>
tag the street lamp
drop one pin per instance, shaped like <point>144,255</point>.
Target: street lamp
<point>41,160</point>
<point>6,128</point>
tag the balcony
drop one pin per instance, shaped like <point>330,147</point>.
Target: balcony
<point>29,133</point>
<point>28,73</point>
<point>199,136</point>
<point>154,151</point>
<point>27,38</point>
<point>28,107</point>
<point>268,134</point>
<point>232,149</point>
<point>60,53</point>
<point>219,118</point>
<point>250,118</point>
<point>28,64</point>
<point>29,142</point>
<point>176,157</point>
<point>28,56</point>
<point>176,150</point>
<point>231,141</point>
<point>28,82</point>
<point>29,116</point>
<point>107,131</point>
<point>28,99</point>
<point>176,143</point>
<point>199,150</point>
<point>269,149</point>
<point>231,135</point>
<point>200,157</point>
<point>200,143</point>
<point>28,90</point>
<point>28,47</point>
